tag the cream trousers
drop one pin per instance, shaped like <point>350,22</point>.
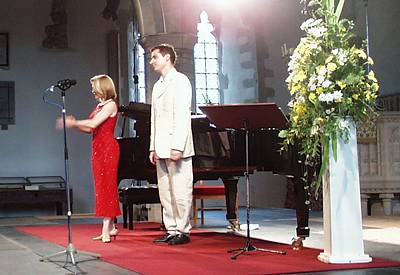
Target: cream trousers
<point>175,186</point>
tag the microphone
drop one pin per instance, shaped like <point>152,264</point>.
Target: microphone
<point>65,84</point>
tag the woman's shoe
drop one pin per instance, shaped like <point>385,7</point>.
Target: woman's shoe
<point>106,239</point>
<point>98,238</point>
<point>114,233</point>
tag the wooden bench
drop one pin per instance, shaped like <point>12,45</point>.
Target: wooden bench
<point>34,190</point>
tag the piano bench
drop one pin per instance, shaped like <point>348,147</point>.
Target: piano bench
<point>129,196</point>
<point>202,192</point>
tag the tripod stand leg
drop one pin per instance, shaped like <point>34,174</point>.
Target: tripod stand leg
<point>72,258</point>
<point>53,255</point>
<point>242,250</point>
<point>250,247</point>
<point>234,250</point>
<point>271,251</point>
<point>69,252</point>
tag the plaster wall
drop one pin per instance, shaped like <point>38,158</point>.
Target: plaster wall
<point>32,147</point>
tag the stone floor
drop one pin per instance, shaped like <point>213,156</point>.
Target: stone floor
<point>20,253</point>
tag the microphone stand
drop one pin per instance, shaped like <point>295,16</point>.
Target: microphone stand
<point>70,250</point>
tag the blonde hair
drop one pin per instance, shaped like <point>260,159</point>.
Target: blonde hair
<point>103,85</point>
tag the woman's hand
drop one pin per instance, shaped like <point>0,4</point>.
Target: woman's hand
<point>70,122</point>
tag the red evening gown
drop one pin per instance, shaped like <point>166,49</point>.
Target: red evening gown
<point>105,157</point>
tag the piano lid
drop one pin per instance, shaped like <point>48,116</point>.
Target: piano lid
<point>136,110</point>
<point>256,115</point>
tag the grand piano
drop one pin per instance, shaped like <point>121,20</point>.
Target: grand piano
<point>219,154</point>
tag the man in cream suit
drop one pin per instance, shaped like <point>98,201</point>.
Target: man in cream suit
<point>171,144</point>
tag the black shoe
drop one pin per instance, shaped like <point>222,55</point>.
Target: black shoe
<point>166,238</point>
<point>179,239</point>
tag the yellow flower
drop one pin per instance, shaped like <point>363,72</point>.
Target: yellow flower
<point>375,87</point>
<point>295,88</point>
<point>331,66</point>
<point>319,90</point>
<point>312,97</point>
<point>329,59</point>
<point>341,84</point>
<point>370,61</point>
<point>370,95</point>
<point>295,119</point>
<point>299,109</point>
<point>319,120</point>
<point>300,76</point>
<point>371,76</point>
<point>355,96</point>
<point>360,53</point>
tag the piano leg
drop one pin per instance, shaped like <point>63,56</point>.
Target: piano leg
<point>125,215</point>
<point>130,216</point>
<point>302,209</point>
<point>59,208</point>
<point>302,214</point>
<point>230,197</point>
<point>231,202</point>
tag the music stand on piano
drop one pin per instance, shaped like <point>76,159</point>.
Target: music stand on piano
<point>246,117</point>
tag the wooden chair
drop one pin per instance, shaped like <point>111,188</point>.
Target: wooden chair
<point>203,192</point>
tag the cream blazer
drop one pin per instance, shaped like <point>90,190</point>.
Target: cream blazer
<point>170,115</point>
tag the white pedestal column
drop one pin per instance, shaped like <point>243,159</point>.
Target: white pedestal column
<point>343,242</point>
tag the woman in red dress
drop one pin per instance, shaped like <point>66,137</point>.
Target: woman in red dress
<point>105,152</point>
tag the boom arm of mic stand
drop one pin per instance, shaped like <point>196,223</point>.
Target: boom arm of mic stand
<point>45,95</point>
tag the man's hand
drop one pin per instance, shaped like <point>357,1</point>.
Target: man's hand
<point>153,157</point>
<point>176,155</point>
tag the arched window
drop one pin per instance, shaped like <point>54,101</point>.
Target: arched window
<point>206,64</point>
<point>141,75</point>
<point>137,83</point>
<point>136,71</point>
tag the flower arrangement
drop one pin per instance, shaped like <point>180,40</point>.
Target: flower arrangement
<point>329,81</point>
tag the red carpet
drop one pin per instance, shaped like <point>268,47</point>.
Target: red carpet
<point>206,254</point>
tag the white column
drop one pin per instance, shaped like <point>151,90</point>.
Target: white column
<point>343,242</point>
